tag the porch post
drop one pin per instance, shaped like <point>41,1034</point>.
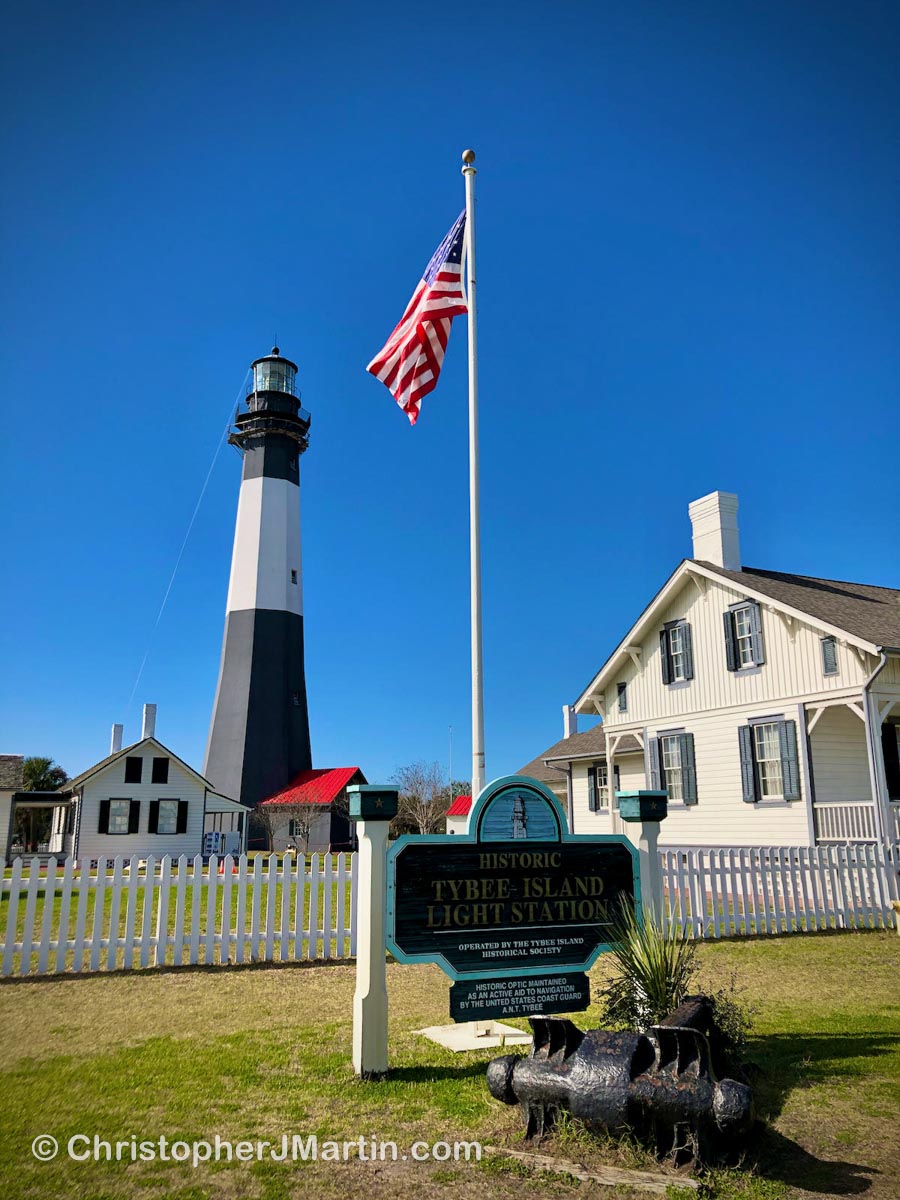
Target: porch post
<point>876,766</point>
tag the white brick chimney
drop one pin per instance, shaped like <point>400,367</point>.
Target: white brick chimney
<point>148,727</point>
<point>115,741</point>
<point>714,522</point>
<point>570,720</point>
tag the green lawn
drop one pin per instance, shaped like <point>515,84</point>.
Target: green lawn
<point>256,1052</point>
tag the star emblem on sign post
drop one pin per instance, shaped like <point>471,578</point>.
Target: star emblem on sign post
<point>379,803</point>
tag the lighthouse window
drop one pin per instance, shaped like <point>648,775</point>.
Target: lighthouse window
<point>293,576</point>
<point>295,699</point>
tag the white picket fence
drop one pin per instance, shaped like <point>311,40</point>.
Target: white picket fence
<point>129,913</point>
<point>713,892</point>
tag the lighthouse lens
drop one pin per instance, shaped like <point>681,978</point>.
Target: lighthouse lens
<point>274,377</point>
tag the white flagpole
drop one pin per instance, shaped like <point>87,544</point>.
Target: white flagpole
<point>474,516</point>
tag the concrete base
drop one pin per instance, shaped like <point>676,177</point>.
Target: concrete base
<point>476,1035</point>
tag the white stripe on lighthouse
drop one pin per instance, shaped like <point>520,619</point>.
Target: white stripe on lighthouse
<point>266,557</point>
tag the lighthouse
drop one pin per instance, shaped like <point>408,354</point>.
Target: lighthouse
<point>259,733</point>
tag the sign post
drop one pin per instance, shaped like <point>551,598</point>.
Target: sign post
<point>373,809</point>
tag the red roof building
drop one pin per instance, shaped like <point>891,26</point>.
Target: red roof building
<point>460,807</point>
<point>322,788</point>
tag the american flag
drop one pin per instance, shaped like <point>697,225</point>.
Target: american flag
<point>412,357</point>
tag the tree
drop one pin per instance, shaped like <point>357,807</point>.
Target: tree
<point>423,799</point>
<point>42,775</point>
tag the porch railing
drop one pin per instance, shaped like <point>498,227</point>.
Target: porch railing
<point>840,821</point>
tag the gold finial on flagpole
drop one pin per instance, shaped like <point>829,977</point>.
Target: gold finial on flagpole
<point>468,157</point>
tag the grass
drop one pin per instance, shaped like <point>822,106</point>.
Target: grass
<point>260,1051</point>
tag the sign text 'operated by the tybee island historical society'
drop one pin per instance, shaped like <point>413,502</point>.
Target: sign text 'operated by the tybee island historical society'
<point>518,903</point>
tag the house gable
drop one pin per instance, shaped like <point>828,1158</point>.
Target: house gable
<point>794,664</point>
<point>163,817</point>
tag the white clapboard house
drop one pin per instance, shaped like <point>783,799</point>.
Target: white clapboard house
<point>139,800</point>
<point>767,704</point>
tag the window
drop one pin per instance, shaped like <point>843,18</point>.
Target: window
<point>743,636</point>
<point>673,767</point>
<point>767,749</point>
<point>673,781</point>
<point>167,816</point>
<point>769,764</point>
<point>676,652</point>
<point>295,699</point>
<point>160,773</point>
<point>598,786</point>
<point>133,770</point>
<point>622,690</point>
<point>293,576</point>
<point>119,815</point>
<point>829,656</point>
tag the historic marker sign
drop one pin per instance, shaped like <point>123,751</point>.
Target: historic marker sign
<point>519,996</point>
<point>516,897</point>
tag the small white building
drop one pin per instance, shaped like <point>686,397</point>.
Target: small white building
<point>458,814</point>
<point>139,800</point>
<point>766,703</point>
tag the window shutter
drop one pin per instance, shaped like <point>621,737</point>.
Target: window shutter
<point>688,768</point>
<point>756,638</point>
<point>688,651</point>
<point>103,823</point>
<point>153,818</point>
<point>748,768</point>
<point>134,816</point>
<point>665,660</point>
<point>181,827</point>
<point>592,789</point>
<point>731,657</point>
<point>829,656</point>
<point>790,770</point>
<point>655,773</point>
<point>891,751</point>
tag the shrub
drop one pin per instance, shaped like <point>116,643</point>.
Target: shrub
<point>654,968</point>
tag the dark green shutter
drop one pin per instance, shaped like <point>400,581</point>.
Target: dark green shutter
<point>756,638</point>
<point>748,767</point>
<point>181,827</point>
<point>688,651</point>
<point>829,656</point>
<point>103,823</point>
<point>656,776</point>
<point>891,751</point>
<point>731,658</point>
<point>592,789</point>
<point>688,768</point>
<point>790,768</point>
<point>153,818</point>
<point>134,816</point>
<point>665,660</point>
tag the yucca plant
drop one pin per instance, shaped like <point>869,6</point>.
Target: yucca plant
<point>653,970</point>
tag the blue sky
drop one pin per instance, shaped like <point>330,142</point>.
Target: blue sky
<point>688,279</point>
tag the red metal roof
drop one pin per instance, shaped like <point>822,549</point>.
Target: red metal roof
<point>314,787</point>
<point>460,807</point>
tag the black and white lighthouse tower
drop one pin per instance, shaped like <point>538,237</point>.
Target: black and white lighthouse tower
<point>259,734</point>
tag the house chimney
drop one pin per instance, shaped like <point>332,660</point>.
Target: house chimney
<point>148,729</point>
<point>716,538</point>
<point>570,720</point>
<point>115,742</point>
